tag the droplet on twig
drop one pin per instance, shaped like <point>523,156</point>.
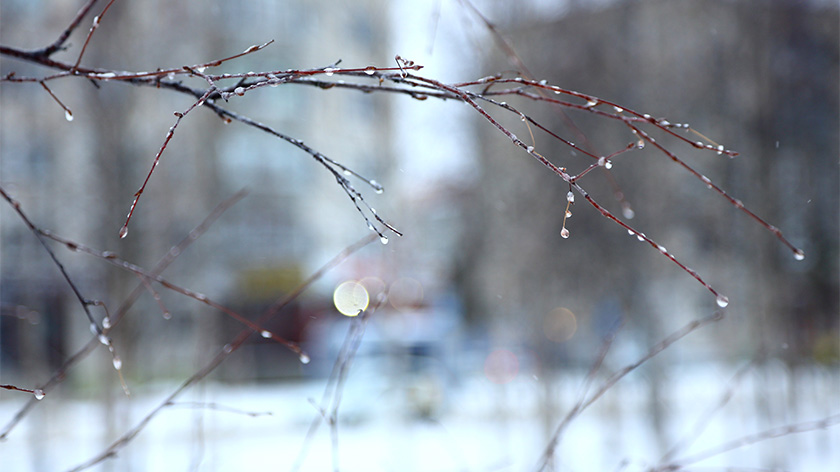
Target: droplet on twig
<point>722,301</point>
<point>39,394</point>
<point>304,359</point>
<point>123,232</point>
<point>564,233</point>
<point>570,197</point>
<point>265,333</point>
<point>117,363</point>
<point>68,115</point>
<point>798,255</point>
<point>383,239</point>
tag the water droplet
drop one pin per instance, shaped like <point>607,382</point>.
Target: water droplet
<point>592,102</point>
<point>104,339</point>
<point>94,329</point>
<point>167,315</point>
<point>377,187</point>
<point>329,71</point>
<point>530,149</point>
<point>665,123</point>
<point>570,197</point>
<point>628,212</point>
<point>383,239</point>
<point>347,172</point>
<point>201,297</point>
<point>722,301</point>
<point>106,323</point>
<point>564,233</point>
<point>304,359</point>
<point>266,334</point>
<point>96,21</point>
<point>662,249</point>
<point>370,226</point>
<point>798,255</point>
<point>239,91</point>
<point>201,69</point>
<point>720,149</point>
<point>618,109</point>
<point>227,348</point>
<point>568,214</point>
<point>646,116</point>
<point>631,233</point>
<point>68,115</point>
<point>170,76</point>
<point>117,363</point>
<point>640,237</point>
<point>370,70</point>
<point>39,394</point>
<point>640,144</point>
<point>123,232</point>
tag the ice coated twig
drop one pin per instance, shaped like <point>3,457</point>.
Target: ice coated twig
<point>327,409</point>
<point>59,375</point>
<point>223,354</point>
<point>580,407</point>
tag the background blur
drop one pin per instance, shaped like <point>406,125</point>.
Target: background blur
<point>493,319</point>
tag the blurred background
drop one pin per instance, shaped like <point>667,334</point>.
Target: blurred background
<point>493,320</point>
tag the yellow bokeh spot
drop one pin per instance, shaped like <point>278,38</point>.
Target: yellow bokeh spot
<point>351,298</point>
<point>560,325</point>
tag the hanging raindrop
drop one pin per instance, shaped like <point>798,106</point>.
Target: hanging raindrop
<point>39,394</point>
<point>722,301</point>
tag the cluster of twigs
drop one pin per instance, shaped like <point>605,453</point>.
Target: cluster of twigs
<point>485,96</point>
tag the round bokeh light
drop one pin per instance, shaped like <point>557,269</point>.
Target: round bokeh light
<point>350,298</point>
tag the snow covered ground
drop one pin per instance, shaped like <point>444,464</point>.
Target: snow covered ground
<point>426,423</point>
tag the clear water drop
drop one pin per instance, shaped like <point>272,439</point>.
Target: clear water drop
<point>564,233</point>
<point>370,70</point>
<point>608,165</point>
<point>722,301</point>
<point>640,237</point>
<point>798,255</point>
<point>304,359</point>
<point>68,115</point>
<point>227,348</point>
<point>570,197</point>
<point>104,339</point>
<point>239,91</point>
<point>266,334</point>
<point>530,149</point>
<point>720,149</point>
<point>94,329</point>
<point>592,102</point>
<point>201,69</point>
<point>383,239</point>
<point>370,226</point>
<point>39,394</point>
<point>631,233</point>
<point>377,187</point>
<point>628,212</point>
<point>640,144</point>
<point>618,109</point>
<point>117,363</point>
<point>123,232</point>
<point>106,323</point>
<point>329,71</point>
<point>568,214</point>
